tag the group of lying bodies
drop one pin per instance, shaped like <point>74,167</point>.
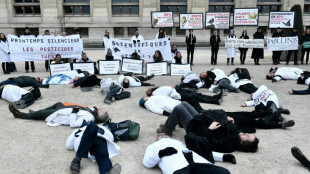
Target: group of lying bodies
<point>209,133</point>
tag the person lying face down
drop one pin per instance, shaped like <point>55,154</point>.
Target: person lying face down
<point>286,73</point>
<point>130,80</point>
<point>24,81</point>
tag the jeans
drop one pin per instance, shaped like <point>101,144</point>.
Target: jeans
<point>224,84</point>
<point>42,114</point>
<point>28,98</point>
<point>7,82</point>
<point>96,146</point>
<point>214,55</point>
<point>183,113</point>
<point>302,92</point>
<point>114,89</point>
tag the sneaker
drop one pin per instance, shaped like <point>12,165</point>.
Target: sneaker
<point>151,76</point>
<point>13,110</point>
<point>107,101</point>
<point>284,111</point>
<point>113,99</point>
<point>75,165</point>
<point>116,169</point>
<point>286,124</point>
<point>20,106</point>
<point>160,129</point>
<point>300,157</point>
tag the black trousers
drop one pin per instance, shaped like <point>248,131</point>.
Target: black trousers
<point>248,88</point>
<point>242,55</point>
<point>91,81</point>
<point>96,146</point>
<point>303,54</point>
<point>205,168</point>
<point>47,63</point>
<point>114,89</point>
<point>142,79</point>
<point>5,66</point>
<point>289,56</point>
<point>190,52</point>
<point>276,56</point>
<point>214,51</point>
<point>27,65</point>
<point>42,114</point>
<point>187,95</point>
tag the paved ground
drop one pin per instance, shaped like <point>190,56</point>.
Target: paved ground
<point>30,146</point>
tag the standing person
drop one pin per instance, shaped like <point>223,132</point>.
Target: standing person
<point>190,42</point>
<point>243,50</point>
<point>106,36</point>
<point>47,33</point>
<point>277,54</point>
<point>27,32</point>
<point>305,38</point>
<point>161,34</point>
<point>157,57</point>
<point>4,54</point>
<point>294,33</point>
<point>137,38</point>
<point>258,53</point>
<point>214,42</point>
<point>231,52</point>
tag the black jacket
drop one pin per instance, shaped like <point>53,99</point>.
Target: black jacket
<point>188,40</point>
<point>244,37</point>
<point>258,35</point>
<point>25,81</point>
<point>276,34</point>
<point>213,42</point>
<point>292,34</point>
<point>305,37</point>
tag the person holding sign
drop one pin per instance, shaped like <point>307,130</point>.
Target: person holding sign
<point>137,37</point>
<point>157,57</point>
<point>258,53</point>
<point>4,54</point>
<point>306,47</point>
<point>214,42</point>
<point>109,55</point>
<point>161,34</point>
<point>178,58</point>
<point>277,54</point>
<point>243,50</point>
<point>190,42</point>
<point>57,59</point>
<point>231,52</point>
<point>294,33</point>
<point>27,32</point>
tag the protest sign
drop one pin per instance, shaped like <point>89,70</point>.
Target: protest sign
<point>244,43</point>
<point>145,49</point>
<point>160,68</point>
<point>306,44</point>
<point>218,20</point>
<point>246,16</point>
<point>162,19</point>
<point>108,66</point>
<point>191,21</point>
<point>282,43</point>
<point>283,19</point>
<point>88,66</point>
<point>31,48</point>
<point>132,65</point>
<point>59,68</point>
<point>179,69</point>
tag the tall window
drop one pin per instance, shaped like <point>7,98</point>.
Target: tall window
<point>27,7</point>
<point>125,7</point>
<point>83,31</point>
<point>307,6</point>
<point>266,6</point>
<point>118,31</point>
<point>175,6</point>
<point>76,7</point>
<point>221,6</point>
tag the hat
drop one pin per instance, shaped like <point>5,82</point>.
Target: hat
<point>109,51</point>
<point>141,102</point>
<point>177,52</point>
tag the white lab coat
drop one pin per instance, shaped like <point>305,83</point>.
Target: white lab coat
<point>263,95</point>
<point>132,81</point>
<point>66,117</point>
<point>236,82</point>
<point>4,50</point>
<point>220,74</point>
<point>157,104</point>
<point>12,93</point>
<point>106,83</point>
<point>74,140</point>
<point>140,38</point>
<point>287,73</point>
<point>190,75</point>
<point>172,163</point>
<point>167,91</point>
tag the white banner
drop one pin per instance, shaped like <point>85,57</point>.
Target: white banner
<point>218,20</point>
<point>283,19</point>
<point>244,43</point>
<point>162,19</point>
<point>282,43</point>
<point>90,67</point>
<point>146,49</point>
<point>246,16</point>
<point>108,66</point>
<point>191,21</point>
<point>160,68</point>
<point>179,69</point>
<point>59,68</point>
<point>131,65</point>
<point>31,48</point>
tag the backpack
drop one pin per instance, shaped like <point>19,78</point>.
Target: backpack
<point>125,130</point>
<point>243,73</point>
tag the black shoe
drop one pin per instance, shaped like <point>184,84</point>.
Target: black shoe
<point>286,124</point>
<point>75,165</point>
<point>284,111</point>
<point>221,96</point>
<point>116,169</point>
<point>13,110</point>
<point>275,112</point>
<point>300,157</point>
<point>151,76</point>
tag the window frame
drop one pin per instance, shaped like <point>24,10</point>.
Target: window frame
<point>26,4</point>
<point>269,4</point>
<point>177,4</point>
<point>76,4</point>
<point>128,4</point>
<point>232,4</point>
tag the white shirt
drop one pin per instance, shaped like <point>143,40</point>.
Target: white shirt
<point>167,91</point>
<point>140,38</point>
<point>157,104</point>
<point>66,117</point>
<point>190,75</point>
<point>287,73</point>
<point>220,74</point>
<point>73,142</point>
<point>132,82</point>
<point>172,163</point>
<point>236,82</point>
<point>12,93</point>
<point>263,95</point>
<point>307,82</point>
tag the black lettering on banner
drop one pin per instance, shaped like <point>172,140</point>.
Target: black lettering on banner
<point>160,43</point>
<point>113,42</point>
<point>125,45</point>
<point>165,42</point>
<point>130,45</point>
<point>156,44</point>
<point>146,44</point>
<point>121,44</point>
<point>151,44</point>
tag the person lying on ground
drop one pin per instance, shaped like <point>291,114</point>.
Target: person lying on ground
<point>303,79</point>
<point>130,80</point>
<point>296,152</point>
<point>222,81</point>
<point>240,80</point>
<point>64,114</point>
<point>113,90</point>
<point>193,80</point>
<point>25,81</point>
<point>96,143</point>
<point>284,73</point>
<point>89,80</point>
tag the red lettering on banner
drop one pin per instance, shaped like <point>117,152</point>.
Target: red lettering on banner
<point>28,49</point>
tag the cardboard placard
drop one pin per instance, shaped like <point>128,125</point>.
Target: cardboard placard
<point>87,66</point>
<point>191,21</point>
<point>132,65</point>
<point>179,69</point>
<point>59,68</point>
<point>108,66</point>
<point>160,68</point>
